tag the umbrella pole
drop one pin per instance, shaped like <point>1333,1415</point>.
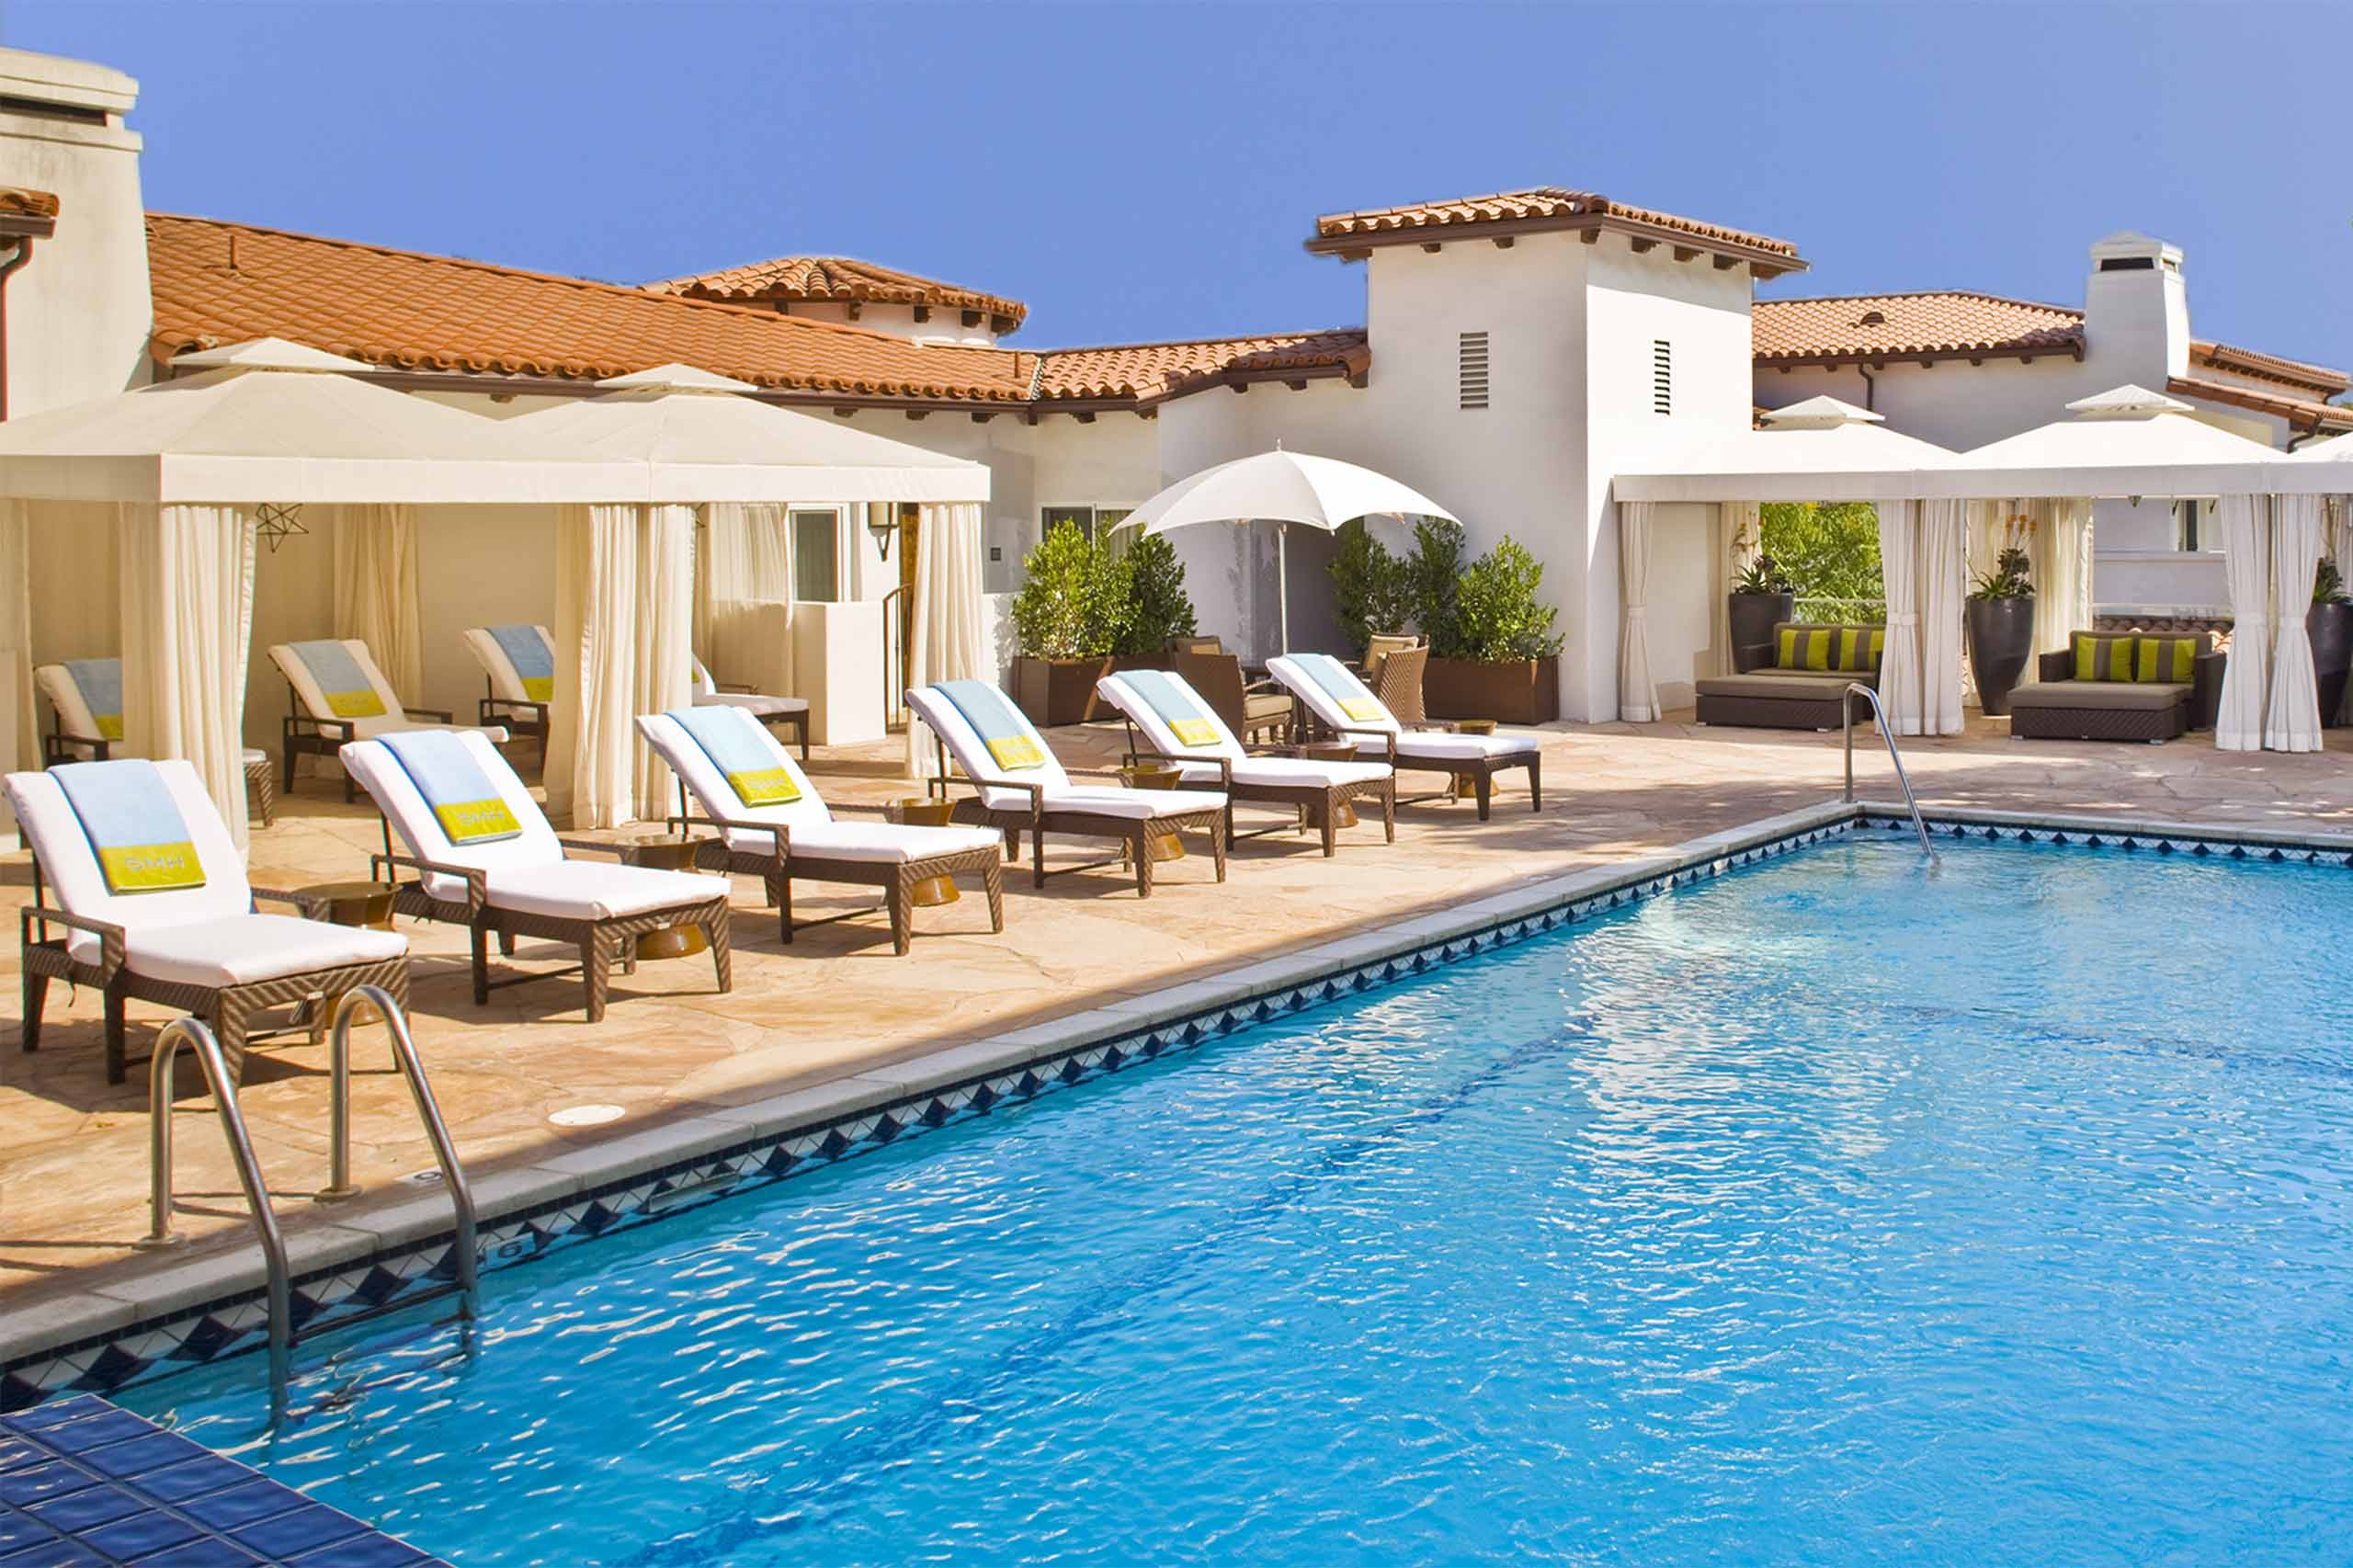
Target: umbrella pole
<point>1282,582</point>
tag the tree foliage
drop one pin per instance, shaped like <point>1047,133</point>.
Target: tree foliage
<point>1498,616</point>
<point>1824,550</point>
<point>1371,587</point>
<point>1079,599</point>
<point>1487,611</point>
<point>1159,610</point>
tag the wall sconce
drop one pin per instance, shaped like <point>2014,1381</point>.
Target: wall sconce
<point>881,523</point>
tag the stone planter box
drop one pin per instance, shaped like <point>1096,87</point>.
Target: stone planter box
<point>1057,692</point>
<point>2330,627</point>
<point>1522,692</point>
<point>2001,641</point>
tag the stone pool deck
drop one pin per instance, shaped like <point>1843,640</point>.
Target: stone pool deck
<point>838,1007</point>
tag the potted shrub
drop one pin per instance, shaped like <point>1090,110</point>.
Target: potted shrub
<point>2329,624</point>
<point>2001,626</point>
<point>1372,591</point>
<point>1498,656</point>
<point>1065,624</point>
<point>1150,582</point>
<point>1762,598</point>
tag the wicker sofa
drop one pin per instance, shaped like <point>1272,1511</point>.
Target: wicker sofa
<point>1775,685</point>
<point>2057,706</point>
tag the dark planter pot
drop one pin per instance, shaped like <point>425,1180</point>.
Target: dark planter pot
<point>1123,662</point>
<point>1057,692</point>
<point>1754,616</point>
<point>2001,641</point>
<point>2331,629</point>
<point>1521,691</point>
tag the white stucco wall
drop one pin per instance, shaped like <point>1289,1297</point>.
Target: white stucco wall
<point>944,326</point>
<point>79,312</point>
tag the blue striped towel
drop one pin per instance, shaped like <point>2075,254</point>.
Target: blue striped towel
<point>350,693</point>
<point>998,724</point>
<point>133,825</point>
<point>533,660</point>
<point>1178,707</point>
<point>464,802</point>
<point>1340,683</point>
<point>754,765</point>
<point>101,683</point>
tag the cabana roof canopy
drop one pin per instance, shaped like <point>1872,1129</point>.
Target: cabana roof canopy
<point>2125,441</point>
<point>705,443</point>
<point>1820,449</point>
<point>272,421</point>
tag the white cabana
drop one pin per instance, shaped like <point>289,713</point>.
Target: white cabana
<point>748,463</point>
<point>138,514</point>
<point>1283,488</point>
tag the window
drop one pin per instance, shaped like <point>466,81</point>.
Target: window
<point>1116,540</point>
<point>1662,376</point>
<point>2188,515</point>
<point>1052,518</point>
<point>816,554</point>
<point>1471,369</point>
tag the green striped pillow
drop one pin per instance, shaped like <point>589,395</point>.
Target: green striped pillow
<point>1859,647</point>
<point>2167,659</point>
<point>1803,648</point>
<point>2104,658</point>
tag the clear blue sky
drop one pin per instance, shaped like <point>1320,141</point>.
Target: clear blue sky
<point>1137,172</point>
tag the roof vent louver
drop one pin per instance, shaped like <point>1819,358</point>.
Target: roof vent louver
<point>1662,376</point>
<point>1471,369</point>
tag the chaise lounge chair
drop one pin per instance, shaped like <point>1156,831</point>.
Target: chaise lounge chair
<point>1018,784</point>
<point>792,711</point>
<point>518,666</point>
<point>487,860</point>
<point>1346,706</point>
<point>86,696</point>
<point>1186,730</point>
<point>339,696</point>
<point>775,826</point>
<point>153,906</point>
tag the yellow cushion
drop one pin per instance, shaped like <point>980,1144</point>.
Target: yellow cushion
<point>2099,657</point>
<point>2171,660</point>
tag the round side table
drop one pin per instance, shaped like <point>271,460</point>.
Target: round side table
<point>1466,787</point>
<point>667,852</point>
<point>1161,846</point>
<point>1335,751</point>
<point>915,811</point>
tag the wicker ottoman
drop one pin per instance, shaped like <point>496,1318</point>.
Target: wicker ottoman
<point>2099,710</point>
<point>1780,700</point>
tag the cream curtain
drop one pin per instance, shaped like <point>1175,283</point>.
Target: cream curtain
<point>624,616</point>
<point>376,596</point>
<point>2340,550</point>
<point>2246,560</point>
<point>1637,692</point>
<point>187,616</point>
<point>949,636</point>
<point>19,727</point>
<point>744,562</point>
<point>2294,720</point>
<point>1988,526</point>
<point>1740,534</point>
<point>2063,570</point>
<point>77,579</point>
<point>1943,590</point>
<point>1898,675</point>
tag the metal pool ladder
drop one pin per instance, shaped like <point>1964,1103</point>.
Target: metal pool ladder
<point>1846,717</point>
<point>282,1336</point>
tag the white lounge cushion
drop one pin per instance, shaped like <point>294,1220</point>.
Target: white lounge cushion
<point>254,755</point>
<point>1292,772</point>
<point>506,681</point>
<point>74,714</point>
<point>950,724</point>
<point>1137,804</point>
<point>239,950</point>
<point>881,842</point>
<point>389,721</point>
<point>380,773</point>
<point>594,890</point>
<point>1440,747</point>
<point>710,789</point>
<point>1115,691</point>
<point>753,703</point>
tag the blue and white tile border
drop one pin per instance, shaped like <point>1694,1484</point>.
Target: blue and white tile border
<point>372,1256</point>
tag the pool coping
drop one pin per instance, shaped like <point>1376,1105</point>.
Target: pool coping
<point>396,1244</point>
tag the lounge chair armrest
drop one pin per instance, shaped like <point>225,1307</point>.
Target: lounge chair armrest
<point>438,715</point>
<point>1389,737</point>
<point>737,687</point>
<point>312,906</point>
<point>780,834</point>
<point>340,729</point>
<point>837,807</point>
<point>111,935</point>
<point>475,879</point>
<point>591,847</point>
<point>1748,656</point>
<point>2206,690</point>
<point>98,746</point>
<point>1098,773</point>
<point>2054,667</point>
<point>515,704</point>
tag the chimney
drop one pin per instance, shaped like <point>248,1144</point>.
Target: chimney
<point>2136,312</point>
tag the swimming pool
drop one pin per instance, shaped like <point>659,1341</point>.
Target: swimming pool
<point>1832,1209</point>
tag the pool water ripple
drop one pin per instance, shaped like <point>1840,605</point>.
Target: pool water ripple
<point>1833,1210</point>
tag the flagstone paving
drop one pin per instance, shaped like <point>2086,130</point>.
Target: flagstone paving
<point>74,1149</point>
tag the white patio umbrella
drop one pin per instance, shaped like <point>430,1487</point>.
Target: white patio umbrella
<point>1283,488</point>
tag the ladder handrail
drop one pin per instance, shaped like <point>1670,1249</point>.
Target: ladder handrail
<point>192,1031</point>
<point>436,1131</point>
<point>1846,714</point>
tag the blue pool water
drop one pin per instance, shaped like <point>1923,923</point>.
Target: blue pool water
<point>1834,1210</point>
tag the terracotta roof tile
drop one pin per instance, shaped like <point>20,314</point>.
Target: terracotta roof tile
<point>1943,325</point>
<point>2304,413</point>
<point>2318,379</point>
<point>216,282</point>
<point>835,278</point>
<point>1153,372</point>
<point>18,201</point>
<point>1539,202</point>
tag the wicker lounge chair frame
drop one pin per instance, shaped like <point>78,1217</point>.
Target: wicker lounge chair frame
<point>1480,771</point>
<point>1134,834</point>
